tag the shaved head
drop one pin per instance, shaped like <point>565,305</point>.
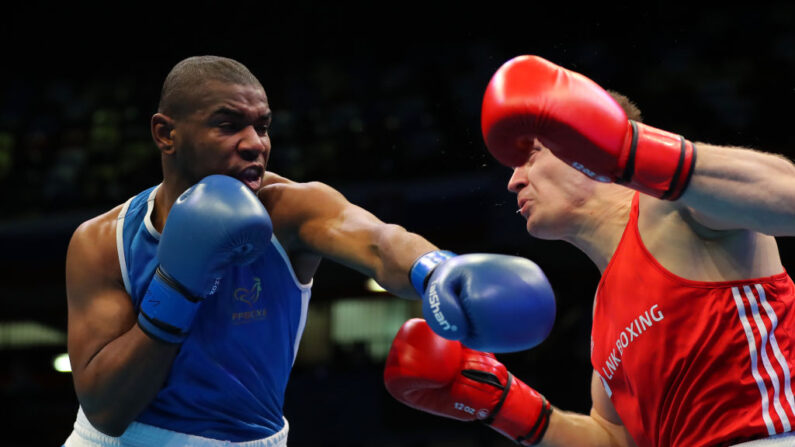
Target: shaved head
<point>185,79</point>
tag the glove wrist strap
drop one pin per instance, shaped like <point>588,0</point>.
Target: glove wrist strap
<point>521,406</point>
<point>658,163</point>
<point>538,429</point>
<point>424,266</point>
<point>167,309</point>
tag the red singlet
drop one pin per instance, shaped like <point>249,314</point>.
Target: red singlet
<point>691,363</point>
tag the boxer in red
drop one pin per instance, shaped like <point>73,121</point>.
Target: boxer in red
<point>693,337</point>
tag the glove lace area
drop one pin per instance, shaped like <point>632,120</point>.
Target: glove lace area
<point>491,379</point>
<point>541,424</point>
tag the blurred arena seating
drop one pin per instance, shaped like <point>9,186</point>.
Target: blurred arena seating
<point>391,121</point>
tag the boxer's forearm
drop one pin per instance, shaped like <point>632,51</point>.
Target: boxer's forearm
<point>397,251</point>
<point>567,429</point>
<point>120,380</point>
<point>734,188</point>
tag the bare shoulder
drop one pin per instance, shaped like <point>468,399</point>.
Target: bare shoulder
<point>299,210</point>
<point>99,231</point>
<point>287,199</point>
<point>684,244</point>
<point>673,216</point>
<point>272,178</point>
<point>92,255</point>
<point>274,182</point>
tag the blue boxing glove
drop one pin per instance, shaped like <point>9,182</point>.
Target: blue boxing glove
<point>216,223</point>
<point>489,302</point>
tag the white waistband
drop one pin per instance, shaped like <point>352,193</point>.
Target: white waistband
<point>143,435</point>
<point>781,440</point>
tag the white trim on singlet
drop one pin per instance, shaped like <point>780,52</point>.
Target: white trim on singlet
<point>150,205</point>
<point>120,245</point>
<point>606,387</point>
<point>150,202</point>
<point>306,290</point>
<point>286,259</point>
<point>305,294</point>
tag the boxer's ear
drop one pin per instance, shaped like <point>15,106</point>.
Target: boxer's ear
<point>162,128</point>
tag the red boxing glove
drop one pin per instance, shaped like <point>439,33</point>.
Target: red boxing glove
<point>529,97</point>
<point>445,378</point>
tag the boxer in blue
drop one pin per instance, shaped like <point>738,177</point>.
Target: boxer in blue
<point>187,303</point>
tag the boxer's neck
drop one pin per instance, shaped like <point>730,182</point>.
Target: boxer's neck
<point>600,223</point>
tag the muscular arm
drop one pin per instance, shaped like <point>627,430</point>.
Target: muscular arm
<point>602,428</point>
<point>321,220</point>
<point>735,188</point>
<point>117,369</point>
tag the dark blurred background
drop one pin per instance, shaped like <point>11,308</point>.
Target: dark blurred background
<point>380,100</point>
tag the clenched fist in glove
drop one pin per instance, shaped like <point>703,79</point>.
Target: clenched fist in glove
<point>488,302</point>
<point>531,98</point>
<point>445,378</point>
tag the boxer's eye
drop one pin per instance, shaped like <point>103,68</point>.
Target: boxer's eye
<point>262,129</point>
<point>227,126</point>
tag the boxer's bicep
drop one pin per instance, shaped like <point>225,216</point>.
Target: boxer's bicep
<point>99,309</point>
<point>734,188</point>
<point>117,368</point>
<point>601,402</point>
<point>604,413</point>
